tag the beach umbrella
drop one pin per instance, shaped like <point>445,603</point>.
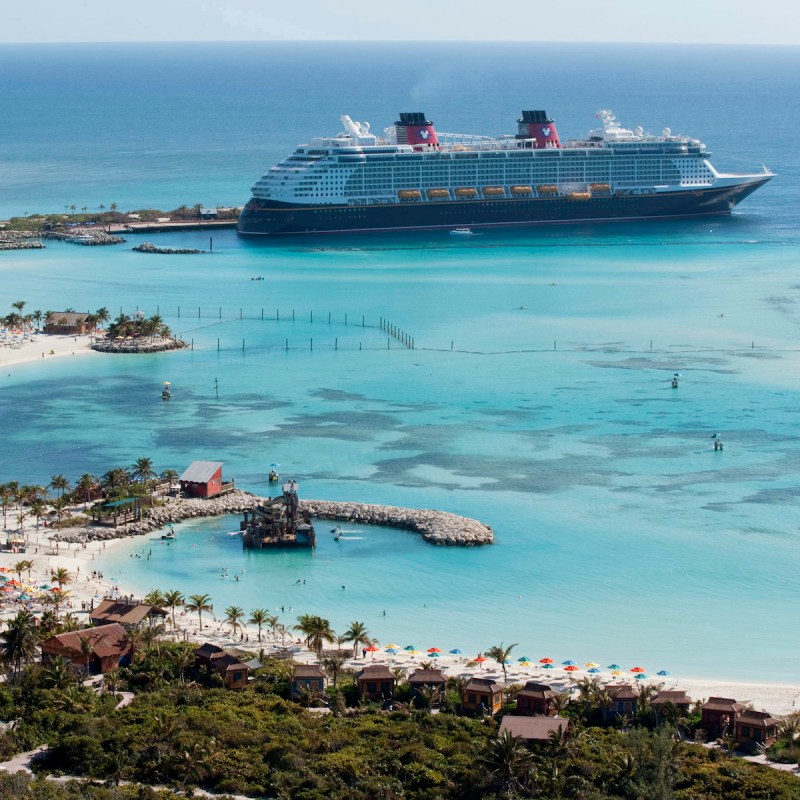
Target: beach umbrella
<point>641,676</point>
<point>391,650</point>
<point>372,649</point>
<point>613,666</point>
<point>637,669</point>
<point>435,655</point>
<point>571,668</point>
<point>410,647</point>
<point>523,658</point>
<point>663,672</point>
<point>548,666</point>
<point>545,660</point>
<point>434,650</point>
<point>396,646</point>
<point>616,672</point>
<point>411,652</point>
<point>591,664</point>
<point>525,663</point>
<point>568,663</point>
<point>479,659</point>
<point>455,651</point>
<point>594,669</point>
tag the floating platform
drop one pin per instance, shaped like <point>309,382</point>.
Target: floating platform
<point>278,523</point>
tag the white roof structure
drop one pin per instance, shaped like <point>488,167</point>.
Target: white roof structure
<point>200,471</point>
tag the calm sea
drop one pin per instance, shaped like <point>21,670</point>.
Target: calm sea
<point>538,397</point>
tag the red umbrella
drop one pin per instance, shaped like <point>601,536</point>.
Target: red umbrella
<point>434,650</point>
<point>545,660</point>
<point>638,669</point>
<point>571,668</point>
<point>479,659</point>
<point>372,649</point>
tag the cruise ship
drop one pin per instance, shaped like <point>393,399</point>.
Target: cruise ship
<point>414,178</point>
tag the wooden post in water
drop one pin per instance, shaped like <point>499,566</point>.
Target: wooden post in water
<point>262,314</point>
<point>198,312</point>
<point>286,345</point>
<point>336,343</point>
<point>345,320</point>
<point>312,344</point>
<point>277,314</point>
<point>240,314</point>
<point>312,317</point>
<point>243,345</point>
<point>192,344</point>
<point>362,320</point>
<point>329,318</point>
<point>218,345</point>
<point>211,244</point>
<point>292,315</point>
<point>220,312</point>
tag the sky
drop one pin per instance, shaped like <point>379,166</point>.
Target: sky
<point>769,22</point>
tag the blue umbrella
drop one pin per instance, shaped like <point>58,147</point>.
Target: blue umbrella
<point>524,658</point>
<point>434,655</point>
<point>641,676</point>
<point>567,663</point>
<point>663,672</point>
<point>594,669</point>
<point>391,650</point>
<point>456,652</point>
<point>613,666</point>
<point>548,666</point>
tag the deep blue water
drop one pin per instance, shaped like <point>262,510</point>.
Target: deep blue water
<point>621,535</point>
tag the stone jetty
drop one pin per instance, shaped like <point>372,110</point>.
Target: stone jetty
<point>28,240</point>
<point>436,527</point>
<point>149,247</point>
<point>156,345</point>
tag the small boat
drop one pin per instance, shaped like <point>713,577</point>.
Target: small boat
<point>168,536</point>
<point>273,476</point>
<point>166,392</point>
<point>461,232</point>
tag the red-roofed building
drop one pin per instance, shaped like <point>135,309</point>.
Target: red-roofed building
<point>203,479</point>
<point>97,649</point>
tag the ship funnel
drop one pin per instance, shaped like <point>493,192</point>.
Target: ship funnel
<point>538,127</point>
<point>412,128</point>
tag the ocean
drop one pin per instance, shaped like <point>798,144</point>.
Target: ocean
<point>538,396</point>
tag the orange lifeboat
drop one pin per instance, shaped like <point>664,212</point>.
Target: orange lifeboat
<point>410,194</point>
<point>521,190</point>
<point>436,194</point>
<point>466,191</point>
<point>579,196</point>
<point>547,189</point>
<point>493,191</point>
<point>600,188</point>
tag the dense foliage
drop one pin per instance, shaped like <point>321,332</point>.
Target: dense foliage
<point>183,730</point>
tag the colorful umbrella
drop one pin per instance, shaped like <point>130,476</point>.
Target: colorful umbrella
<point>545,660</point>
<point>479,659</point>
<point>641,676</point>
<point>567,663</point>
<point>391,650</point>
<point>525,663</point>
<point>594,669</point>
<point>434,650</point>
<point>591,664</point>
<point>435,655</point>
<point>616,672</point>
<point>455,651</point>
<point>613,666</point>
<point>663,672</point>
<point>637,669</point>
<point>410,647</point>
<point>571,668</point>
<point>523,658</point>
<point>548,666</point>
<point>396,646</point>
<point>372,649</point>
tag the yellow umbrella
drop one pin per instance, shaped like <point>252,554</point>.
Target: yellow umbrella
<point>591,664</point>
<point>616,672</point>
<point>394,646</point>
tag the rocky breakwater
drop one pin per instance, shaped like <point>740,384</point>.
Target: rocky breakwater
<point>436,527</point>
<point>149,247</point>
<point>157,344</point>
<point>20,240</point>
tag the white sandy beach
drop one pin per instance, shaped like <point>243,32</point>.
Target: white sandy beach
<point>43,347</point>
<point>79,559</point>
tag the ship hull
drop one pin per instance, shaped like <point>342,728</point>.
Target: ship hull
<point>265,218</point>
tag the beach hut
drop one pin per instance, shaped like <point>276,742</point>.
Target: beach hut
<point>129,613</point>
<point>668,704</point>
<point>202,479</point>
<point>482,696</point>
<point>310,677</point>
<point>232,671</point>
<point>718,716</point>
<point>67,322</point>
<point>109,646</point>
<point>623,702</point>
<point>534,729</point>
<point>755,728</point>
<point>375,682</point>
<point>422,681</point>
<point>536,699</point>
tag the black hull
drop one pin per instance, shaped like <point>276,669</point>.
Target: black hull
<point>264,218</point>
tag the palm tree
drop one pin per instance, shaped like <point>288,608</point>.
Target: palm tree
<point>357,634</point>
<point>259,616</point>
<point>19,305</point>
<point>172,599</point>
<point>58,673</point>
<point>6,498</point>
<point>317,631</point>
<point>507,761</point>
<point>232,616</point>
<point>37,318</point>
<point>142,469</point>
<point>333,664</point>
<point>199,603</point>
<point>155,597</point>
<point>103,315</point>
<point>115,479</point>
<point>500,654</point>
<point>60,484</point>
<point>84,488</point>
<point>20,640</point>
<point>61,576</point>
<point>21,566</point>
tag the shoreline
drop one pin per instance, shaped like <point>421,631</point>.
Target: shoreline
<point>79,558</point>
<point>45,347</point>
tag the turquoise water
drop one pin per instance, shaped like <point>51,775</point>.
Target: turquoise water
<point>537,398</point>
